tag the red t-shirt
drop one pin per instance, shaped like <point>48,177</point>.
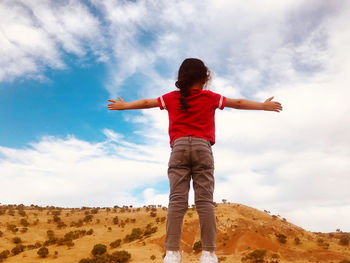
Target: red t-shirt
<point>199,120</point>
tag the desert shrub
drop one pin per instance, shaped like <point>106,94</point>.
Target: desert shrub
<point>37,244</point>
<point>36,222</point>
<point>50,233</point>
<point>87,260</point>
<point>136,233</point>
<point>115,220</point>
<point>56,219</point>
<point>150,230</point>
<point>153,214</point>
<point>80,223</point>
<point>345,261</point>
<point>24,229</point>
<point>61,224</point>
<point>153,257</point>
<point>297,241</point>
<point>88,218</point>
<point>2,212</point>
<point>221,259</point>
<point>12,228</point>
<point>17,240</point>
<point>1,233</point>
<point>56,213</point>
<point>21,212</point>
<point>17,249</point>
<point>281,238</point>
<point>197,246</point>
<point>43,252</point>
<point>94,211</point>
<point>3,255</point>
<point>11,212</point>
<point>255,256</point>
<point>344,240</point>
<point>90,231</point>
<point>115,243</point>
<point>31,246</point>
<point>24,222</point>
<point>99,249</point>
<point>121,256</point>
<point>75,234</point>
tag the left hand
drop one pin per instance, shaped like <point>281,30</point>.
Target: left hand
<point>116,105</point>
<point>270,105</point>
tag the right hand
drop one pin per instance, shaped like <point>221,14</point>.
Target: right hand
<point>270,105</point>
<point>116,105</point>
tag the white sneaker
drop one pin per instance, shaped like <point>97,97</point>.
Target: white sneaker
<point>208,257</point>
<point>172,257</point>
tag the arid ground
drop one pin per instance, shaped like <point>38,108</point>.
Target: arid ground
<point>244,235</point>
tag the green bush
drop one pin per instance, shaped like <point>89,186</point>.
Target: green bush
<point>99,249</point>
<point>43,252</point>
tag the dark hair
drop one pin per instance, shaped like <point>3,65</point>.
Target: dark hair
<point>191,71</point>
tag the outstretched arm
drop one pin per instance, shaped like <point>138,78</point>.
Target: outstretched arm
<point>137,104</point>
<point>244,104</point>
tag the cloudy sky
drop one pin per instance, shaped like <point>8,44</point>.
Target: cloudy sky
<point>62,60</point>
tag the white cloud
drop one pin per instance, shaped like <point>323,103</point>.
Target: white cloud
<point>35,34</point>
<point>72,172</point>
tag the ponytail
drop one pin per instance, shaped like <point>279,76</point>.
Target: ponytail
<point>191,71</point>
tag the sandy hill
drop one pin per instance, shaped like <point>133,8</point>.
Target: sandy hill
<point>244,235</point>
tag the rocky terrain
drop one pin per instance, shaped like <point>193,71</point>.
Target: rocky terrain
<point>126,234</point>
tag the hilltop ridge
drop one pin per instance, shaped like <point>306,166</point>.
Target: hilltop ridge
<point>245,234</point>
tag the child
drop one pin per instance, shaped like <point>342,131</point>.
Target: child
<point>191,111</point>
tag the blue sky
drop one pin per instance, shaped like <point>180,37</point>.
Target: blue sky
<point>61,62</point>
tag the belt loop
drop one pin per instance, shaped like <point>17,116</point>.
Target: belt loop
<point>190,138</point>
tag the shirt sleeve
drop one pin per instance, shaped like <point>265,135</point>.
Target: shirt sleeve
<point>164,100</point>
<point>161,103</point>
<point>218,100</point>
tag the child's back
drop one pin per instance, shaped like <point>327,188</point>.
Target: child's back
<point>191,113</point>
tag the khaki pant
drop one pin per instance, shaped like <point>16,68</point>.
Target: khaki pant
<point>191,157</point>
